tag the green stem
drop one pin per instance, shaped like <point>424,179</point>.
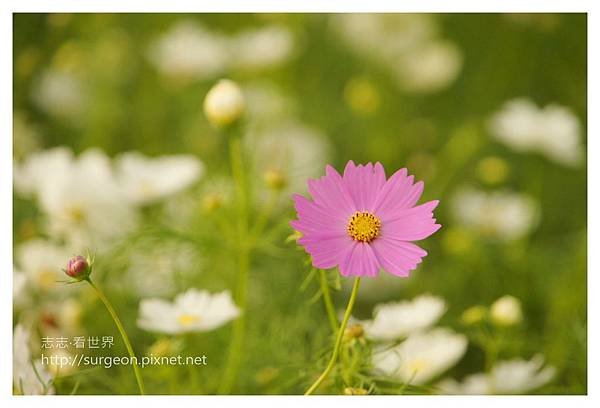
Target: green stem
<point>113,313</point>
<point>239,327</point>
<point>327,299</point>
<point>237,170</point>
<point>338,341</point>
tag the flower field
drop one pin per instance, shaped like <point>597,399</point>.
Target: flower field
<point>299,204</point>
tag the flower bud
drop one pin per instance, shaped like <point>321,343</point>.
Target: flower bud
<point>212,202</point>
<point>506,311</point>
<point>224,103</point>
<point>275,180</point>
<point>78,267</point>
<point>354,332</point>
<point>473,315</point>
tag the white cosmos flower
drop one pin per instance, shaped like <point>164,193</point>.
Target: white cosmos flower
<point>395,320</point>
<point>506,311</point>
<point>266,102</point>
<point>262,47</point>
<point>41,262</point>
<point>408,45</point>
<point>293,149</point>
<point>384,36</point>
<point>167,260</point>
<point>25,379</point>
<point>429,68</point>
<point>147,179</point>
<point>26,136</point>
<point>501,214</point>
<point>39,168</point>
<point>515,376</point>
<point>190,51</point>
<point>19,283</point>
<point>553,131</point>
<point>422,356</point>
<point>192,311</point>
<point>59,93</point>
<point>475,384</point>
<point>84,204</point>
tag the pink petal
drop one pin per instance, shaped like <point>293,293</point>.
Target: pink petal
<point>411,224</point>
<point>359,261</point>
<point>397,257</point>
<point>326,252</point>
<point>398,193</point>
<point>364,183</point>
<point>313,217</point>
<point>330,192</point>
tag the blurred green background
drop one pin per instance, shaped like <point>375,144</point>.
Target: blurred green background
<point>118,99</point>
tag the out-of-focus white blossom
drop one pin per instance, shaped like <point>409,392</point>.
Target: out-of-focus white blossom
<point>515,376</point>
<point>192,311</point>
<point>190,51</point>
<point>26,137</point>
<point>408,45</point>
<point>154,267</point>
<point>295,150</point>
<point>429,68</point>
<point>553,131</point>
<point>501,214</point>
<point>85,205</point>
<point>38,168</point>
<point>59,93</point>
<point>395,320</point>
<point>147,179</point>
<point>80,197</point>
<point>267,103</point>
<point>28,380</point>
<point>422,356</point>
<point>384,36</point>
<point>261,48</point>
<point>41,262</point>
<point>506,311</point>
<point>19,282</point>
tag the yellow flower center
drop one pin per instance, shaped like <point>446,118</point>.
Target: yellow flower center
<point>75,213</point>
<point>46,278</point>
<point>187,319</point>
<point>416,366</point>
<point>363,226</point>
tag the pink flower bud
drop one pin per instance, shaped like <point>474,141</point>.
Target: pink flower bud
<point>78,267</point>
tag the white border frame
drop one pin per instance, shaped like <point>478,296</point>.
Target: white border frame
<point>7,7</point>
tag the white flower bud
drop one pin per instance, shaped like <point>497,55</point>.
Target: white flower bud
<point>506,311</point>
<point>224,103</point>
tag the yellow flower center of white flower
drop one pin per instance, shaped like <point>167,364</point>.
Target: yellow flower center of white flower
<point>46,278</point>
<point>75,213</point>
<point>415,366</point>
<point>363,226</point>
<point>187,319</point>
<point>147,188</point>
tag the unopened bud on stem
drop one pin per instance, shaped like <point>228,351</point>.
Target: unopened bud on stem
<point>275,179</point>
<point>78,267</point>
<point>224,103</point>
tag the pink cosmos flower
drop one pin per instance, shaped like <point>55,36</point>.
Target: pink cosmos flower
<point>362,222</point>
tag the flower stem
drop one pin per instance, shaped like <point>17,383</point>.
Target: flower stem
<point>327,299</point>
<point>338,340</point>
<point>113,313</point>
<point>239,326</point>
